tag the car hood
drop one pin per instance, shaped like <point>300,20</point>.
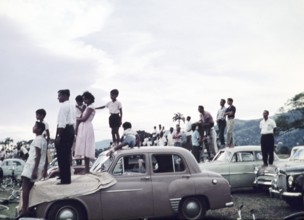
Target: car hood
<point>48,190</point>
<point>292,167</point>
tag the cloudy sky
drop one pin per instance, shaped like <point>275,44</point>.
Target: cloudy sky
<point>164,56</point>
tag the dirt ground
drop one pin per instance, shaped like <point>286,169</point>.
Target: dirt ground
<point>264,207</point>
<point>7,214</point>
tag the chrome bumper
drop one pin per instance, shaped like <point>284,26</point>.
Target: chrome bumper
<point>284,194</point>
<point>262,182</point>
<point>229,204</point>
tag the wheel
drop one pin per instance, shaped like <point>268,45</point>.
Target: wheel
<point>67,210</point>
<point>192,208</point>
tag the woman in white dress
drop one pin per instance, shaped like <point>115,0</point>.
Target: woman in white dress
<point>85,140</point>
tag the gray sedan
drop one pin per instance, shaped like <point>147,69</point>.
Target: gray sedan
<point>237,165</point>
<point>137,183</point>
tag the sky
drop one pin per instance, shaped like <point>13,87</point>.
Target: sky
<point>164,57</point>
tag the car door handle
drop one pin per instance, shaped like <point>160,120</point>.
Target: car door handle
<point>187,176</point>
<point>145,178</point>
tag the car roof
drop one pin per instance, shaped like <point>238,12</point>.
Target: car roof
<point>154,149</point>
<point>13,159</point>
<point>242,148</point>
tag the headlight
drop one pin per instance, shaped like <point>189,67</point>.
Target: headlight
<point>256,170</point>
<point>290,181</point>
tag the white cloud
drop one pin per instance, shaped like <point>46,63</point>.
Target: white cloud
<point>164,57</point>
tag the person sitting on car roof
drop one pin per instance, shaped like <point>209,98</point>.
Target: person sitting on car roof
<point>129,138</point>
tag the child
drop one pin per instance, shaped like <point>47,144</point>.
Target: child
<point>115,119</point>
<point>34,166</point>
<point>80,107</point>
<point>40,115</point>
<point>130,138</point>
<point>195,140</point>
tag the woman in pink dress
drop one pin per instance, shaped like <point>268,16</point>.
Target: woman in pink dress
<point>85,140</point>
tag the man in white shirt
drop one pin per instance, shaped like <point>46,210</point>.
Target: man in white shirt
<point>169,136</point>
<point>268,128</point>
<point>66,123</point>
<point>189,132</point>
<point>221,121</point>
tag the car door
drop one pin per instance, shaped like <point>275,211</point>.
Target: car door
<point>18,168</point>
<point>242,169</point>
<point>166,169</point>
<point>131,196</point>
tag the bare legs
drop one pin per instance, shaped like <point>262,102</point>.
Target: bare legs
<point>27,185</point>
<point>115,135</point>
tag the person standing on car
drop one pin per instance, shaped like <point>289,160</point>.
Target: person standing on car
<point>85,140</point>
<point>34,166</point>
<point>188,133</point>
<point>65,133</point>
<point>208,133</point>
<point>230,113</point>
<point>268,128</point>
<point>221,122</point>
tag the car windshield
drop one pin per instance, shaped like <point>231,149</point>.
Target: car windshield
<point>222,156</point>
<point>102,163</point>
<point>298,155</point>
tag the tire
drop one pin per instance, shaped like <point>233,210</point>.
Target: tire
<point>67,210</point>
<point>192,208</point>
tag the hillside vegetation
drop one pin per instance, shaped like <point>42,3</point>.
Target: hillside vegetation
<point>290,125</point>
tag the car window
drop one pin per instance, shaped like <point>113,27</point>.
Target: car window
<point>245,156</point>
<point>167,163</point>
<point>130,165</point>
<point>242,157</point>
<point>222,156</point>
<point>298,155</point>
<point>258,156</point>
<point>17,163</point>
<point>234,158</point>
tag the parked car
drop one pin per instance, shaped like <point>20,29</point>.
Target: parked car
<point>149,182</point>
<point>12,164</point>
<point>237,165</point>
<point>265,175</point>
<point>288,183</point>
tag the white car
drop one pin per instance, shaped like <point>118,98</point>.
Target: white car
<point>265,175</point>
<point>237,165</point>
<point>12,165</point>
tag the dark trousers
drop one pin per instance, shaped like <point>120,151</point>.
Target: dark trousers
<point>64,149</point>
<point>267,147</point>
<point>189,142</point>
<point>221,126</point>
<point>196,151</point>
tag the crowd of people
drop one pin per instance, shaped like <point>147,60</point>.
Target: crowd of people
<point>75,136</point>
<point>201,134</point>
